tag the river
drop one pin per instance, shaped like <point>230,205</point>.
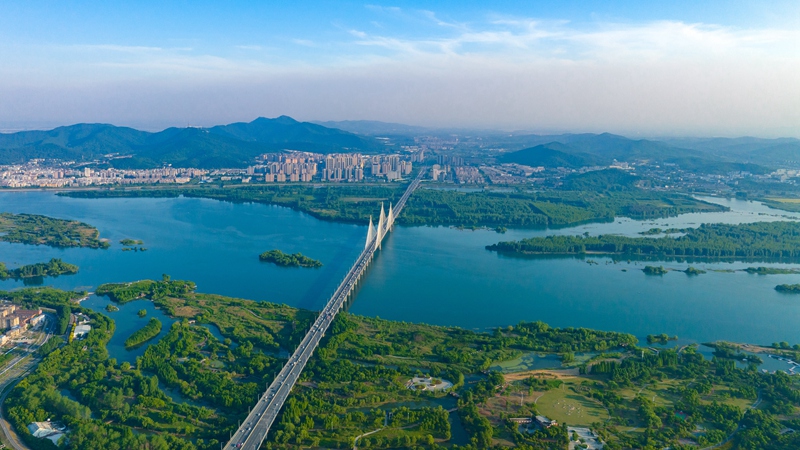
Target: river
<point>435,275</point>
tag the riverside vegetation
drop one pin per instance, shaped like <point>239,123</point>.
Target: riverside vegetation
<point>53,268</point>
<point>517,208</point>
<point>279,258</point>
<point>42,230</point>
<point>760,240</point>
<point>359,373</point>
<point>144,334</point>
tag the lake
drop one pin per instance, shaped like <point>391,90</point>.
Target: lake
<point>435,275</point>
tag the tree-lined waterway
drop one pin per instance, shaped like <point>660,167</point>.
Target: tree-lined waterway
<point>423,274</point>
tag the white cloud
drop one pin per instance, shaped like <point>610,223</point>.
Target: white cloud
<point>663,77</point>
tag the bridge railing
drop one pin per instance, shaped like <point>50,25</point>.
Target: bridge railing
<point>290,373</point>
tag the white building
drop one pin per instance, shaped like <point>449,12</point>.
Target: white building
<point>47,430</point>
<point>81,331</point>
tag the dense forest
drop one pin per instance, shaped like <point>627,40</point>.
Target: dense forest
<point>288,260</point>
<point>357,382</point>
<point>760,240</point>
<point>43,230</point>
<point>53,268</point>
<point>356,203</point>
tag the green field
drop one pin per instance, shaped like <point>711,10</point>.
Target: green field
<point>570,408</point>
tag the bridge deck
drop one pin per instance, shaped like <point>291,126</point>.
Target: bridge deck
<point>253,431</point>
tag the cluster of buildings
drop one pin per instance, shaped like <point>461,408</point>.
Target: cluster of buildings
<point>296,166</point>
<point>14,321</point>
<point>785,174</point>
<point>33,174</point>
<point>355,167</point>
<point>468,175</point>
<point>282,167</point>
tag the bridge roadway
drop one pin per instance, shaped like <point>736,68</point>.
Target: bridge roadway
<point>253,431</point>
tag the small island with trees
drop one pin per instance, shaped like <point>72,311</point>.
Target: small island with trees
<point>747,241</point>
<point>662,338</point>
<point>770,271</point>
<point>289,260</point>
<point>53,268</point>
<point>790,288</point>
<point>42,230</point>
<point>144,334</point>
<point>654,270</point>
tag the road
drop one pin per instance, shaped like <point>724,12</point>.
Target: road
<point>15,371</point>
<point>252,433</point>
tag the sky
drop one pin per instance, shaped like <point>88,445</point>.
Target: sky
<point>637,68</point>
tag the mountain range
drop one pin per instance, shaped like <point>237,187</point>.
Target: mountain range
<point>237,144</point>
<point>711,155</point>
<point>233,145</point>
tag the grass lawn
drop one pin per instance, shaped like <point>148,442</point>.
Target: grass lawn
<point>658,390</point>
<point>568,407</point>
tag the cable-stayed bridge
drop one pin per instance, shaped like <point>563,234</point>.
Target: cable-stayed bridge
<point>254,429</point>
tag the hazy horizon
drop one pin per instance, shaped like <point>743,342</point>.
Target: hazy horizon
<point>454,130</point>
<point>667,69</point>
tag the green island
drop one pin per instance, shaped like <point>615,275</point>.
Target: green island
<point>693,271</point>
<point>42,230</point>
<point>144,334</point>
<point>111,308</point>
<point>142,313</point>
<point>516,208</point>
<point>654,270</point>
<point>131,242</point>
<point>134,249</point>
<point>770,271</point>
<point>53,268</point>
<point>760,240</point>
<point>366,376</point>
<point>656,231</point>
<point>662,338</point>
<point>279,258</point>
<point>146,289</point>
<point>791,288</point>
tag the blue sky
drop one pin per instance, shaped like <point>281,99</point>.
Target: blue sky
<point>631,67</point>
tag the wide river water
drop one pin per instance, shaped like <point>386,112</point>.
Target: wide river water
<point>435,275</point>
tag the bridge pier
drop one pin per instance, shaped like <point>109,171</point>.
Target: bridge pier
<point>255,429</point>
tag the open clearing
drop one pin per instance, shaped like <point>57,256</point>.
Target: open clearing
<point>565,406</point>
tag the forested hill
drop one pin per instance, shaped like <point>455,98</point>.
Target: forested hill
<point>579,150</point>
<point>233,145</point>
<point>554,154</point>
<point>760,240</point>
<point>603,180</point>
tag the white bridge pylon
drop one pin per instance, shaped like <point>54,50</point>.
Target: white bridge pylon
<point>385,222</point>
<point>254,429</point>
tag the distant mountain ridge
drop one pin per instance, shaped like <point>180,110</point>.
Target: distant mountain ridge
<point>232,145</point>
<point>553,154</point>
<point>578,150</point>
